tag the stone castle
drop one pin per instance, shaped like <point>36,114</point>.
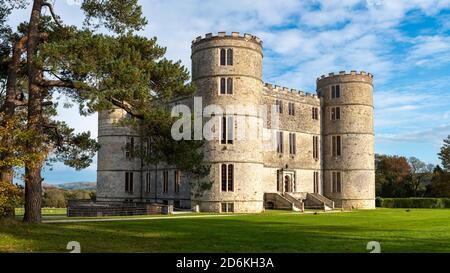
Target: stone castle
<point>323,156</point>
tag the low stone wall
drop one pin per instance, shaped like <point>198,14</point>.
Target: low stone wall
<point>88,208</point>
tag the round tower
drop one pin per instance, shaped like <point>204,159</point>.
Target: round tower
<point>227,71</point>
<point>118,172</point>
<point>348,138</point>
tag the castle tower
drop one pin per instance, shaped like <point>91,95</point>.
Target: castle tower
<point>118,172</point>
<point>348,138</point>
<point>227,70</point>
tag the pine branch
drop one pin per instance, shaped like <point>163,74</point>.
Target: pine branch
<point>57,83</point>
<point>52,12</point>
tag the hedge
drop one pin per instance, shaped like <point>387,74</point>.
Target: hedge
<point>430,203</point>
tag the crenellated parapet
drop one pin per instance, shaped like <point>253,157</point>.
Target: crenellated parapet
<point>280,89</point>
<point>343,76</point>
<point>343,73</point>
<point>233,35</point>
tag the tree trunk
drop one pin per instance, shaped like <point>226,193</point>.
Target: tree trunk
<point>33,194</point>
<point>33,179</point>
<point>6,172</point>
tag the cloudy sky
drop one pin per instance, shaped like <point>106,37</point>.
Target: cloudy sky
<point>404,43</point>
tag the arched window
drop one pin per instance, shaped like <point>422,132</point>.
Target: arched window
<point>230,56</point>
<point>222,85</point>
<point>222,56</point>
<point>229,86</point>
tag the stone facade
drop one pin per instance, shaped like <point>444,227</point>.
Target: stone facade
<point>256,169</point>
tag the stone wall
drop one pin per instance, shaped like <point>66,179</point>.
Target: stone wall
<point>355,128</point>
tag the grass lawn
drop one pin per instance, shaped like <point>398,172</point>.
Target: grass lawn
<point>45,211</point>
<point>420,230</point>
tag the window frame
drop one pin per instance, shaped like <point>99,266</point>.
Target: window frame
<point>227,177</point>
<point>336,182</point>
<point>280,148</point>
<point>176,181</point>
<point>316,147</point>
<point>227,130</point>
<point>129,181</point>
<point>336,113</point>
<point>129,148</point>
<point>335,91</point>
<point>226,56</point>
<point>229,60</point>
<point>222,57</point>
<point>292,144</point>
<point>336,146</point>
<point>165,181</point>
<point>316,185</point>
<point>291,108</point>
<point>147,182</point>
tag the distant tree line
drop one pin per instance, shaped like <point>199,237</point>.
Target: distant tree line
<point>59,198</point>
<point>398,176</point>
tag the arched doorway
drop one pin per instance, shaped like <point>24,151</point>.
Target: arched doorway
<point>287,183</point>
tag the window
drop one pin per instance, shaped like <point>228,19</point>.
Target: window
<point>147,182</point>
<point>129,182</point>
<point>279,106</point>
<point>227,207</point>
<point>227,135</point>
<point>227,177</point>
<point>230,186</point>
<point>336,182</point>
<point>223,85</point>
<point>165,181</point>
<point>280,142</point>
<point>176,181</point>
<point>292,139</point>
<point>315,113</point>
<point>223,57</point>
<point>226,86</point>
<point>129,147</point>
<point>335,113</point>
<point>291,108</point>
<point>315,147</point>
<point>336,145</point>
<point>335,91</point>
<point>316,182</point>
<point>226,56</point>
<point>224,177</point>
<point>278,180</point>
<point>229,86</point>
<point>230,56</point>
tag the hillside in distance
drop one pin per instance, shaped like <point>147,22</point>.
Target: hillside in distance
<point>90,186</point>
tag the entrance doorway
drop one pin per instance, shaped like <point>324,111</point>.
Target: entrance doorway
<point>288,182</point>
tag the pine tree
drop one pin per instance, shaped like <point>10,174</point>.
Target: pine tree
<point>97,71</point>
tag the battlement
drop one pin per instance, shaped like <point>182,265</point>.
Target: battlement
<point>343,73</point>
<point>277,88</point>
<point>233,35</point>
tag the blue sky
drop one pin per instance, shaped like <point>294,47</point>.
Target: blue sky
<point>404,43</point>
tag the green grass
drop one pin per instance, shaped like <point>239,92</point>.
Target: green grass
<point>45,211</point>
<point>419,230</point>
